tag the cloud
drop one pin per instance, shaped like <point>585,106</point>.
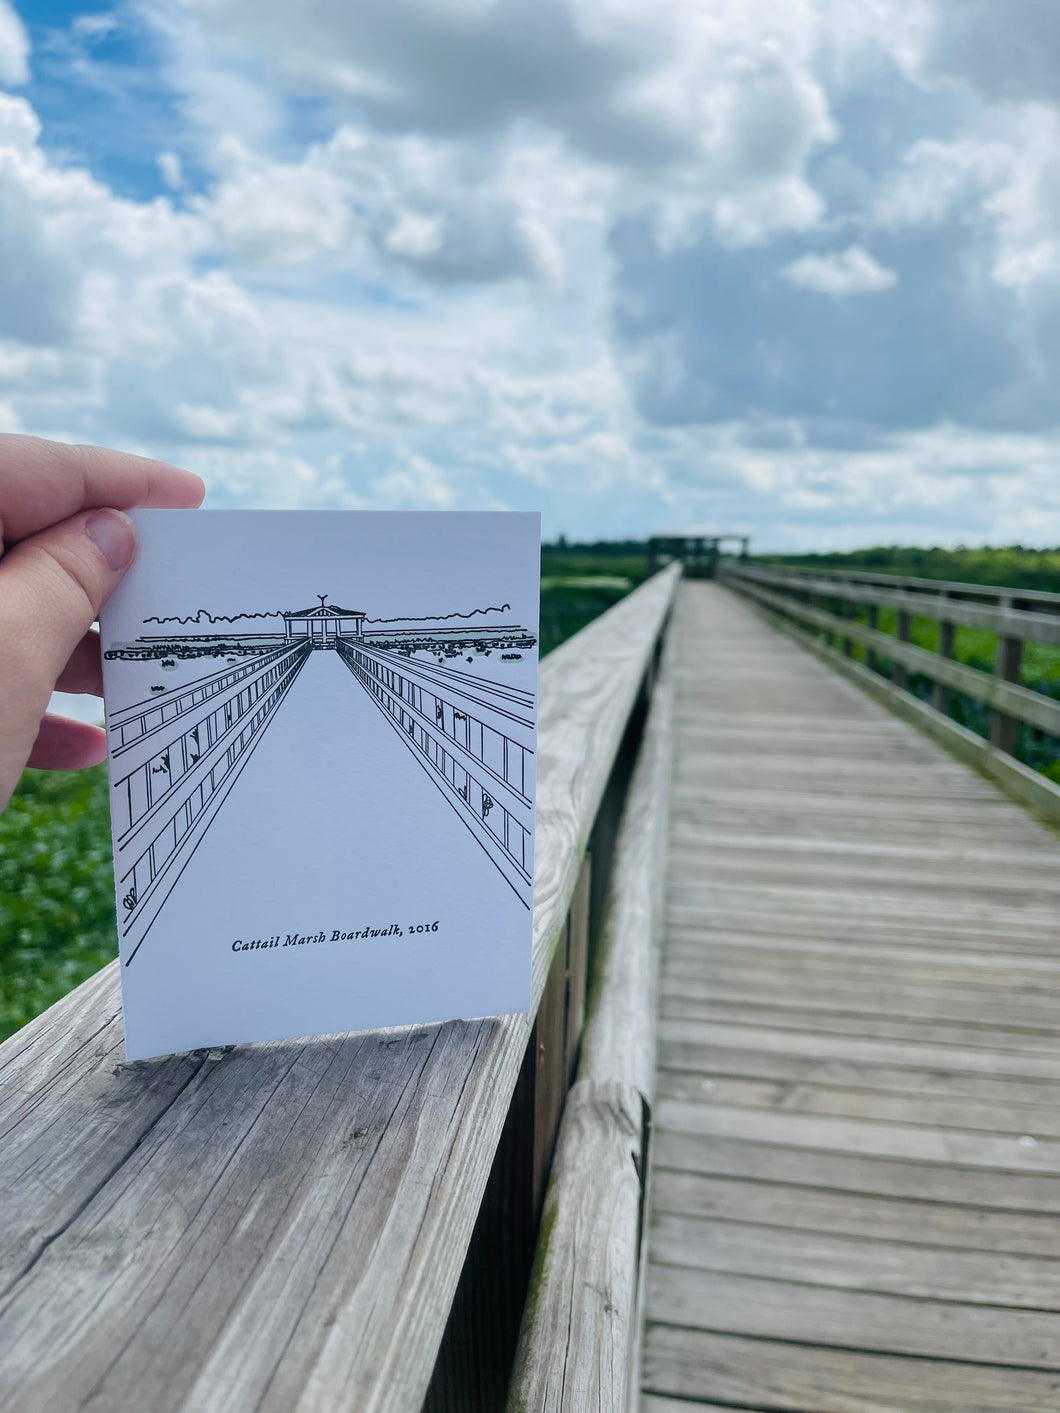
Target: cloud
<point>566,254</point>
<point>14,47</point>
<point>701,109</point>
<point>1008,51</point>
<point>850,271</point>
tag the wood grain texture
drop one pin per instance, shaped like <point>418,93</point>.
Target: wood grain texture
<point>281,1227</point>
<point>575,1352</point>
<point>855,1157</point>
<point>784,1377</point>
<point>620,1028</point>
<point>578,1346</point>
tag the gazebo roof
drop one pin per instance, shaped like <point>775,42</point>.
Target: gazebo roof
<point>328,610</point>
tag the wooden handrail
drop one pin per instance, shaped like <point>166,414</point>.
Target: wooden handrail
<point>283,1227</point>
<point>579,1346</point>
<point>786,596</point>
<point>1007,622</point>
<point>953,587</point>
<point>1020,702</point>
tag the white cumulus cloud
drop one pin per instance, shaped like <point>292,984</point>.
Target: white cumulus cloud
<point>850,271</point>
<point>14,46</point>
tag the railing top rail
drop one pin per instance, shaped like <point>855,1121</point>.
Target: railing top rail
<point>363,1157</point>
<point>993,592</point>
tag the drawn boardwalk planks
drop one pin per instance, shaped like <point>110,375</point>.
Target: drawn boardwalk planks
<point>856,1147</point>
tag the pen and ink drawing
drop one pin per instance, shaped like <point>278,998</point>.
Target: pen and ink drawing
<point>177,754</point>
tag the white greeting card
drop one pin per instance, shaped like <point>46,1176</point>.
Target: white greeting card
<point>321,732</point>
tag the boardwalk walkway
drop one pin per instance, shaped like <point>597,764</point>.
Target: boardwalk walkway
<point>856,1187</point>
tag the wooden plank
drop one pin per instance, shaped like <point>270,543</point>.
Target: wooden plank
<point>853,1319</point>
<point>937,1110</point>
<point>884,1219</point>
<point>782,1377</point>
<point>292,1226</point>
<point>691,933</point>
<point>836,1169</point>
<point>847,1262</point>
<point>579,1343</point>
<point>651,1404</point>
<point>856,1154</point>
<point>41,1068</point>
<point>577,968</point>
<point>549,1038</point>
<point>620,1030</point>
<point>708,1061</point>
<point>576,1348</point>
<point>775,1015</point>
<point>892,1053</point>
<point>934,1010</point>
<point>881,1140</point>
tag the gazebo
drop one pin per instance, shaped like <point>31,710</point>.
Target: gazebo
<point>324,623</point>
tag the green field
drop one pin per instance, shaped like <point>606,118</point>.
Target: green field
<point>1011,566</point>
<point>56,880</point>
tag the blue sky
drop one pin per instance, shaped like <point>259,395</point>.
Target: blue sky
<point>790,268</point>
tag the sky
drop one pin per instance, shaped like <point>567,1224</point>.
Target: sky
<point>785,267</point>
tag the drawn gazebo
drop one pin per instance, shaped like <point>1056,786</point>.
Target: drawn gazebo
<point>324,623</point>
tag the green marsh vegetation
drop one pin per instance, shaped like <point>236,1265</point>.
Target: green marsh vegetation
<point>56,877</point>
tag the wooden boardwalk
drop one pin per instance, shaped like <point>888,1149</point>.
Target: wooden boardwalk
<point>856,1176</point>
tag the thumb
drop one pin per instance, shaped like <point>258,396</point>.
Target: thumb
<point>52,586</point>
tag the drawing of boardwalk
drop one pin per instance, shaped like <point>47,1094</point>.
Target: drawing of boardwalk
<point>436,686</point>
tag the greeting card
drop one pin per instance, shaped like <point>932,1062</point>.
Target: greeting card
<point>322,732</point>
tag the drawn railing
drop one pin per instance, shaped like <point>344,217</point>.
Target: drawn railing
<point>479,754</point>
<point>147,717</point>
<point>165,800</point>
<point>348,1224</point>
<point>827,609</point>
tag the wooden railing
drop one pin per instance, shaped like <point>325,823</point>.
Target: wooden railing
<point>826,611</point>
<point>348,1222</point>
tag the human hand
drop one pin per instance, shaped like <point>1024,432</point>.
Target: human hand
<point>65,546</point>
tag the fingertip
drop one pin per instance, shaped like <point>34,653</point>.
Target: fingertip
<point>65,744</point>
<point>114,535</point>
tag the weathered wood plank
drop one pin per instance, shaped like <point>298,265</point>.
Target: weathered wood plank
<point>871,1139</point>
<point>893,1053</point>
<point>1013,1022</point>
<point>896,1219</point>
<point>935,1110</point>
<point>708,1061</point>
<point>856,1166</point>
<point>579,1345</point>
<point>780,1377</point>
<point>846,1262</point>
<point>620,1028</point>
<point>575,1352</point>
<point>855,1172</point>
<point>287,1231</point>
<point>853,1319</point>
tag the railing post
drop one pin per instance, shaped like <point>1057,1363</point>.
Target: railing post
<point>872,616</point>
<point>900,675</point>
<point>940,693</point>
<point>849,611</point>
<point>1008,662</point>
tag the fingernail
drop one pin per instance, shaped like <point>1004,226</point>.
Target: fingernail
<point>114,535</point>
